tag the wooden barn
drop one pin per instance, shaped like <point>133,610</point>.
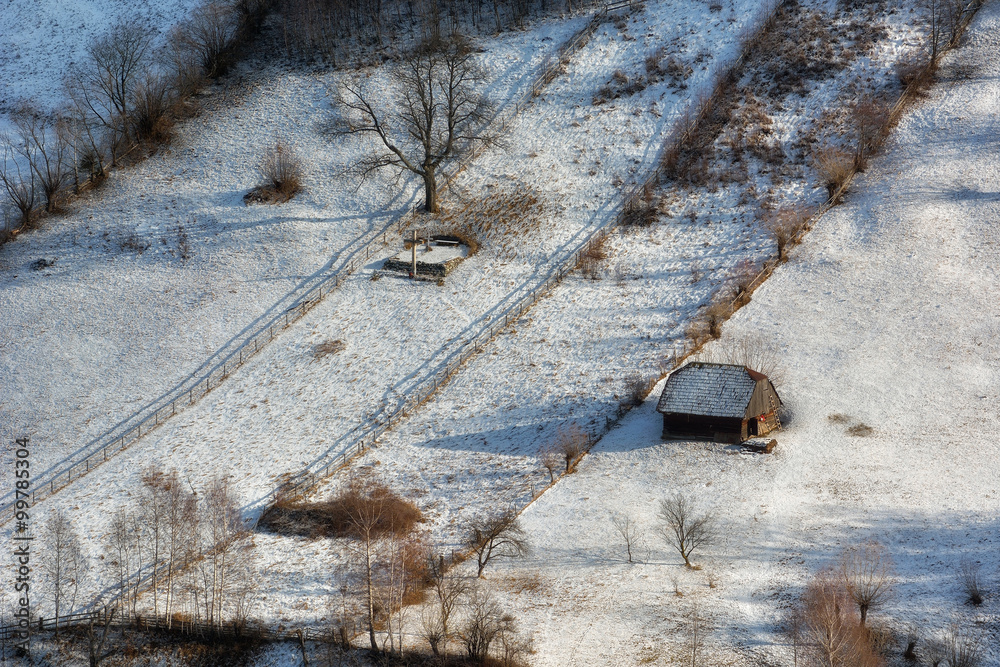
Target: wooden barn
<point>721,402</point>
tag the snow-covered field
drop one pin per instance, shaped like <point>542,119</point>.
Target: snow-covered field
<point>886,315</point>
<point>170,316</point>
<point>871,316</point>
<point>92,339</point>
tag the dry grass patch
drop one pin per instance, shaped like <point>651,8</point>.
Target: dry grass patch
<point>326,348</point>
<point>502,223</point>
<point>860,430</point>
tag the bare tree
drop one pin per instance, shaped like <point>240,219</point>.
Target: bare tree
<point>830,626</point>
<point>628,530</point>
<point>123,555</point>
<point>226,576</point>
<point>684,528</point>
<point>550,458</point>
<point>95,644</point>
<point>449,589</point>
<point>936,19</point>
<point>65,563</point>
<point>868,574</point>
<point>751,350</point>
<point>436,117</point>
<point>180,532</point>
<point>103,88</point>
<point>498,536</point>
<point>486,623</point>
<point>18,178</point>
<point>365,527</point>
<point>970,578</point>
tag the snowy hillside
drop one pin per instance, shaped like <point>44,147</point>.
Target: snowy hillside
<point>886,317</point>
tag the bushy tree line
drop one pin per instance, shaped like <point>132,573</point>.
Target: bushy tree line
<point>186,554</point>
<point>334,29</point>
<point>121,101</point>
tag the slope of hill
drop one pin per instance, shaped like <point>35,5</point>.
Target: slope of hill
<point>886,318</point>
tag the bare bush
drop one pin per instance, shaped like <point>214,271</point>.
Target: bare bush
<point>834,166</point>
<point>783,225</point>
<point>970,579</point>
<point>915,73</point>
<point>591,258</point>
<point>635,390</point>
<point>551,459</point>
<point>572,443</point>
<point>281,169</point>
<point>499,536</point>
<point>684,528</point>
<point>337,517</point>
<point>868,574</point>
<point>486,626</point>
<point>641,211</point>
<point>963,648</point>
<point>716,314</point>
<point>150,115</point>
<point>871,125</point>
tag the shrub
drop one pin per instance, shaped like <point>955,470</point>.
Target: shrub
<point>591,258</point>
<point>971,581</point>
<point>636,388</point>
<point>835,167</point>
<point>916,74</point>
<point>641,211</point>
<point>783,224</point>
<point>572,442</point>
<point>150,115</point>
<point>334,518</point>
<point>282,170</point>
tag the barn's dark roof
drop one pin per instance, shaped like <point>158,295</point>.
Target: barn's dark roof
<point>710,390</point>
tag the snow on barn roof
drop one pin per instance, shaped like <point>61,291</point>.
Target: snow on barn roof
<point>710,390</point>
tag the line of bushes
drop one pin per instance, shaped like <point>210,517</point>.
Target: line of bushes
<point>121,103</point>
